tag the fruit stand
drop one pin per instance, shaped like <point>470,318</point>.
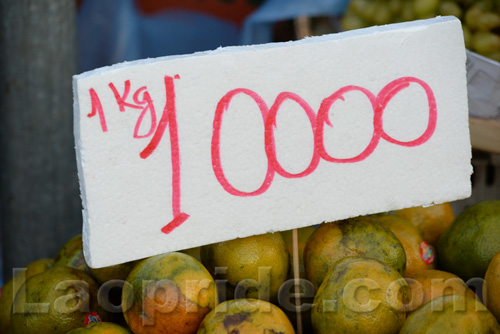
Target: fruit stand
<point>387,270</point>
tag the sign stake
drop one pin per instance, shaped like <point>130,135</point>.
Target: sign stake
<point>296,276</point>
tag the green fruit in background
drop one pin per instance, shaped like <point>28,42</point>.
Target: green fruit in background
<point>493,55</point>
<point>467,37</point>
<point>471,241</point>
<point>407,13</point>
<point>472,16</point>
<point>351,22</point>
<point>357,6</point>
<point>367,10</point>
<point>395,6</point>
<point>485,5</point>
<point>480,19</point>
<point>488,21</point>
<point>485,42</point>
<point>71,254</point>
<point>450,8</point>
<point>425,8</point>
<point>382,14</point>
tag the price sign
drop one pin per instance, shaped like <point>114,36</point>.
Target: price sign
<point>183,151</point>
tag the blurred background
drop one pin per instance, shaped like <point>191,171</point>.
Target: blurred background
<point>44,42</point>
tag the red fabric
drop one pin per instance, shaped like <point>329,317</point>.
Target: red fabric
<point>231,10</point>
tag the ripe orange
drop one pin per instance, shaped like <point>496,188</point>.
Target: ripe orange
<point>432,221</point>
<point>419,254</point>
<point>168,293</point>
<point>430,284</point>
<point>255,266</point>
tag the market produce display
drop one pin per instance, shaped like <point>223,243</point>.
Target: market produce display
<point>360,290</point>
<point>480,19</point>
<point>403,271</point>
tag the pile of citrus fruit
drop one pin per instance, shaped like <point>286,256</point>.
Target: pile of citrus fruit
<point>415,270</point>
<point>480,18</point>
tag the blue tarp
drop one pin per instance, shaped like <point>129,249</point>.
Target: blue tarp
<point>258,26</point>
<point>114,31</point>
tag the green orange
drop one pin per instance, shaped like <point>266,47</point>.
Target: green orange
<point>71,254</point>
<point>255,267</point>
<point>101,328</point>
<point>451,314</point>
<point>419,254</point>
<point>361,236</point>
<point>10,289</point>
<point>249,316</point>
<point>55,302</point>
<point>471,242</point>
<point>360,295</point>
<point>491,286</point>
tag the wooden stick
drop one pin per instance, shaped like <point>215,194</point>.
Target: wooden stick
<point>302,27</point>
<point>296,276</point>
